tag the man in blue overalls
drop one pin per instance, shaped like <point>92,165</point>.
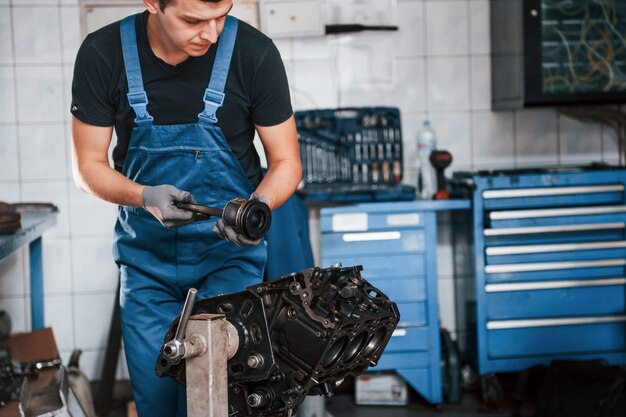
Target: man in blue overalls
<point>178,140</point>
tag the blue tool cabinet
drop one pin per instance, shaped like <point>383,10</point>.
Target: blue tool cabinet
<point>549,252</point>
<point>396,244</point>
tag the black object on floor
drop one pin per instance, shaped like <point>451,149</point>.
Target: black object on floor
<point>104,395</point>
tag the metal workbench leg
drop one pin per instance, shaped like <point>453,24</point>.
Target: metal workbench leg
<point>36,284</point>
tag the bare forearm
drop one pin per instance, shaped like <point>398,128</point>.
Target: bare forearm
<point>280,182</point>
<point>102,181</point>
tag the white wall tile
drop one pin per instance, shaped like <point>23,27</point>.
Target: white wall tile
<point>10,191</point>
<point>27,3</point>
<point>54,192</point>
<point>536,137</point>
<point>13,275</point>
<point>360,96</point>
<point>610,145</point>
<point>40,94</point>
<point>447,308</point>
<point>480,36</point>
<point>313,48</point>
<point>408,91</point>
<point>481,82</point>
<point>9,165</point>
<point>448,83</point>
<point>445,263</point>
<point>17,309</point>
<point>7,95</point>
<point>59,314</point>
<point>411,30</point>
<point>43,152</point>
<point>365,61</point>
<point>453,135</point>
<point>39,41</point>
<point>70,32</point>
<point>92,319</point>
<point>579,142</point>
<point>315,85</point>
<point>57,271</point>
<point>492,139</point>
<point>93,268</point>
<point>446,25</point>
<point>411,124</point>
<point>84,208</point>
<point>6,39</point>
<point>68,76</point>
<point>91,363</point>
<point>285,47</point>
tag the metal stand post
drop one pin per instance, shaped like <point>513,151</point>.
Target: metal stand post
<point>210,340</point>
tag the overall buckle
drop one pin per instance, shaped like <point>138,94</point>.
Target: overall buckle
<point>139,102</point>
<point>213,100</point>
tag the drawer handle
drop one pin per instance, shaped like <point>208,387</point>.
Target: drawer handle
<point>551,285</point>
<point>550,191</point>
<point>561,212</point>
<point>372,236</point>
<point>551,266</point>
<point>562,247</point>
<point>521,324</point>
<point>551,229</point>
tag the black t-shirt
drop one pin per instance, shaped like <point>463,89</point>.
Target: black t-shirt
<point>256,89</point>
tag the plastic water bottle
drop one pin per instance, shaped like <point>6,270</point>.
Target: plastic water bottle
<point>426,143</point>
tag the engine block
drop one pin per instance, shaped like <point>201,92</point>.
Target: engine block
<point>299,335</point>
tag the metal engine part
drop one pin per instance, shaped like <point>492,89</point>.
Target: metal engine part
<point>299,335</point>
<point>251,218</point>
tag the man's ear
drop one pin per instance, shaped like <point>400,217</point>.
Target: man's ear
<point>151,5</point>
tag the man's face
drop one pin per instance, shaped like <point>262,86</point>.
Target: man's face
<point>191,26</point>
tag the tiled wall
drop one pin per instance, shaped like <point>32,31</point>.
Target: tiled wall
<point>440,59</point>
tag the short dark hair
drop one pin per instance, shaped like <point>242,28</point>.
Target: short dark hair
<point>163,3</point>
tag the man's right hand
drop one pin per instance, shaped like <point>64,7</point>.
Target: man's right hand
<point>159,201</point>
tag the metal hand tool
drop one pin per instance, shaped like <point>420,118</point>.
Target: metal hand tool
<point>252,218</point>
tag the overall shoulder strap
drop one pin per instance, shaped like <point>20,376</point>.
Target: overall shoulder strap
<point>137,97</point>
<point>214,94</point>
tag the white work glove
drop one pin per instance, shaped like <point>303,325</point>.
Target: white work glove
<point>228,233</point>
<point>159,201</point>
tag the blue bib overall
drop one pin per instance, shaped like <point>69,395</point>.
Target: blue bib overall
<point>159,265</point>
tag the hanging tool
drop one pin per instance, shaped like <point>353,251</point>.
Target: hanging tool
<point>251,218</point>
<point>350,28</point>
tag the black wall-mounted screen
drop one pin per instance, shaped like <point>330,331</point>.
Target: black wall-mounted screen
<point>558,52</point>
<point>583,46</point>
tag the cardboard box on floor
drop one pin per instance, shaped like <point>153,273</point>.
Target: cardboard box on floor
<point>380,389</point>
<point>38,345</point>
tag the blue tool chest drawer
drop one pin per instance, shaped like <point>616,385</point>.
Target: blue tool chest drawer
<point>549,267</point>
<point>395,243</point>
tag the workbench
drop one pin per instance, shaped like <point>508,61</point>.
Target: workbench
<point>396,242</point>
<point>548,274</point>
<point>33,226</point>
